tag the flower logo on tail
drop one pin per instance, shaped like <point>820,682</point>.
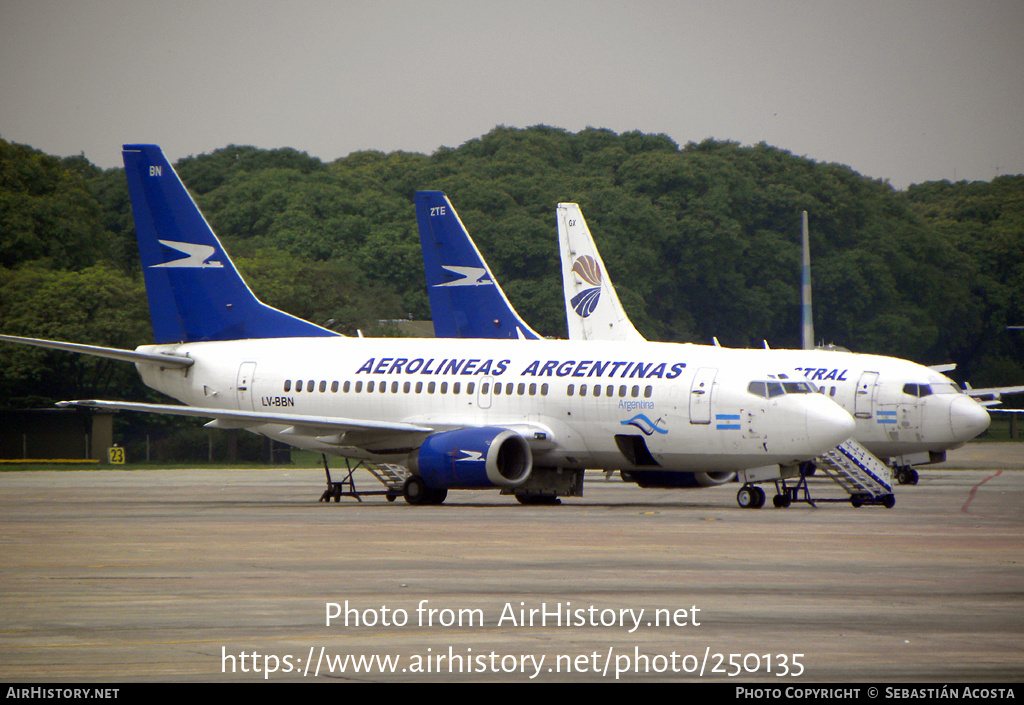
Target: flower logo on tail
<point>587,269</point>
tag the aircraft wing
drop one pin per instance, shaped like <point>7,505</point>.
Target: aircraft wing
<point>299,424</point>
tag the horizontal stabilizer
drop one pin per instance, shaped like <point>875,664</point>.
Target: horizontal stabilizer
<point>112,353</point>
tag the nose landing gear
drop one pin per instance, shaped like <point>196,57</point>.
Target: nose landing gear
<point>750,497</point>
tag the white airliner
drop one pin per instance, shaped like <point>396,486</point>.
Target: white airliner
<point>906,413</point>
<point>484,312</point>
<point>523,416</point>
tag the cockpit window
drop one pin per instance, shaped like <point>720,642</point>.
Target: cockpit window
<point>769,390</point>
<point>919,390</point>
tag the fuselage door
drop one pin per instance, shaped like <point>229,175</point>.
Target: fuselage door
<point>700,395</point>
<point>862,404</point>
<point>243,385</point>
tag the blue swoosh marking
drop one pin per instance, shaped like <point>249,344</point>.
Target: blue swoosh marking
<point>646,426</point>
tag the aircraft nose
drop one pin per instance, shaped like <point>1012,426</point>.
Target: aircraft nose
<point>828,424</point>
<point>968,418</point>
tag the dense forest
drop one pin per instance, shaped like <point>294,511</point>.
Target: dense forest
<point>701,240</point>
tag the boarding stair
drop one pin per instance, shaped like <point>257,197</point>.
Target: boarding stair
<point>393,478</point>
<point>390,475</point>
<point>865,478</point>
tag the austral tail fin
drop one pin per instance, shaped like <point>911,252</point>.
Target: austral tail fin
<point>195,293</point>
<point>592,308</point>
<point>465,299</point>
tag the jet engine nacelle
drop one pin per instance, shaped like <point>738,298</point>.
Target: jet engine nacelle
<point>473,457</point>
<point>654,479</point>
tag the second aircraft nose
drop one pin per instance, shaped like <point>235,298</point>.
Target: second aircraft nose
<point>968,418</point>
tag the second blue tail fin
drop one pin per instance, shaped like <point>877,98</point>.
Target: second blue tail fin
<point>465,300</point>
<point>195,293</point>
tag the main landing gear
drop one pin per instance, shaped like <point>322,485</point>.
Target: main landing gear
<point>416,492</point>
<point>750,497</point>
<point>906,475</point>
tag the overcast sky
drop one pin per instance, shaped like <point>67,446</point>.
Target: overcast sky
<point>904,90</point>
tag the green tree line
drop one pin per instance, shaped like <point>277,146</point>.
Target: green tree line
<point>701,240</point>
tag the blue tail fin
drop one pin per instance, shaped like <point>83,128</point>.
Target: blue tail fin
<point>194,291</point>
<point>465,300</point>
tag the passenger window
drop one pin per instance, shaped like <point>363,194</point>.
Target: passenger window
<point>635,391</point>
<point>544,389</point>
<point>470,387</point>
<point>456,386</point>
<point>334,386</point>
<point>583,390</point>
<point>647,391</point>
<point>323,386</point>
<point>298,386</point>
<point>444,387</point>
<point>521,389</point>
<point>430,387</point>
<point>622,390</point>
<point>406,387</point>
<point>369,386</point>
<point>533,389</point>
<point>569,391</point>
<point>359,387</point>
<point>287,385</point>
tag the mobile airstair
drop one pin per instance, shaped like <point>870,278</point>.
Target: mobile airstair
<point>393,478</point>
<point>865,478</point>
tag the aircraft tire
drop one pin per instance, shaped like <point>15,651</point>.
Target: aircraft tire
<point>746,497</point>
<point>415,491</point>
<point>759,497</point>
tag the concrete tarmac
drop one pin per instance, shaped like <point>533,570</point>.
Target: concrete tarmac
<point>229,575</point>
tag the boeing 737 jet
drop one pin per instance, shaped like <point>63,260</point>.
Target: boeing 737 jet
<point>905,413</point>
<point>523,416</point>
<point>448,247</point>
